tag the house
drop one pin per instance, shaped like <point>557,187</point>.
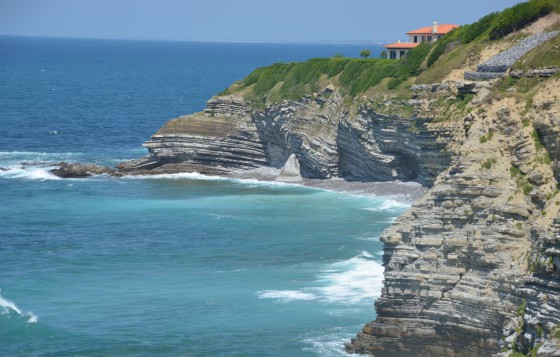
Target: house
<point>415,37</point>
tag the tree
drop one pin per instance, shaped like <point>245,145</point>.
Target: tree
<point>383,54</point>
<point>365,53</point>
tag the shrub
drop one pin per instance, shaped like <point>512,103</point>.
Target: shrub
<point>365,53</point>
<point>488,164</point>
<point>537,138</point>
<point>527,188</point>
<point>514,171</point>
<point>521,308</point>
<point>486,137</point>
<point>496,25</point>
<point>516,17</point>
<point>354,75</point>
<point>410,65</point>
<point>395,82</point>
<point>441,45</point>
<point>471,32</point>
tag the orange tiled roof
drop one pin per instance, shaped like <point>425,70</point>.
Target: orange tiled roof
<point>404,45</point>
<point>441,30</point>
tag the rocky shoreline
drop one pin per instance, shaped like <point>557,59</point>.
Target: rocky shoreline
<point>475,241</point>
<point>403,192</point>
<point>473,267</point>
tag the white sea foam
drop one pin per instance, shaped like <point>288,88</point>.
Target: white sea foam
<point>231,271</point>
<point>351,281</point>
<point>251,182</point>
<point>286,295</point>
<point>29,172</point>
<point>369,238</point>
<point>389,205</point>
<point>7,305</point>
<point>178,176</point>
<point>32,165</point>
<point>348,282</point>
<point>328,343</point>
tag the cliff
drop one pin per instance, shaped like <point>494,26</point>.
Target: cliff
<point>472,267</point>
<point>328,140</point>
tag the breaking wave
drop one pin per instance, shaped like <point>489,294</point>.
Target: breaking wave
<point>7,307</point>
<point>353,281</point>
<point>389,205</point>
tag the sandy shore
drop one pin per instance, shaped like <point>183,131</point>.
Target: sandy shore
<point>405,192</point>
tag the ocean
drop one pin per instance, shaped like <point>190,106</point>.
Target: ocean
<point>171,265</point>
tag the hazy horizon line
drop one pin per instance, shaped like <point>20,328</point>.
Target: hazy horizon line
<point>334,42</point>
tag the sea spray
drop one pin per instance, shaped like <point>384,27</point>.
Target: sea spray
<point>7,306</point>
<point>351,281</point>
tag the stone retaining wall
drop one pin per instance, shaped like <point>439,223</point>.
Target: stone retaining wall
<point>497,66</point>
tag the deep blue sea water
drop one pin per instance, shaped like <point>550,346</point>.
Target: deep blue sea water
<point>176,265</point>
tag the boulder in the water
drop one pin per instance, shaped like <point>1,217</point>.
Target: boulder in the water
<point>78,170</point>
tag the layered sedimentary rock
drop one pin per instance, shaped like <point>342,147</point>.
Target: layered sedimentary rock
<point>327,139</point>
<point>470,269</point>
<point>537,324</point>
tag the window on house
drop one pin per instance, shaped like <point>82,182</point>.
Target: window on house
<point>423,39</point>
<point>402,54</point>
<point>392,54</point>
<point>415,39</point>
<point>429,38</point>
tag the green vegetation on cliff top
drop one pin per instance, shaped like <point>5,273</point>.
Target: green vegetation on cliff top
<point>353,76</point>
<point>496,25</point>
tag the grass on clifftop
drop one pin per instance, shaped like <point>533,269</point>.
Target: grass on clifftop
<point>354,76</point>
<point>431,62</point>
<point>453,50</point>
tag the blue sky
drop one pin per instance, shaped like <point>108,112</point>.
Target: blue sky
<point>236,20</point>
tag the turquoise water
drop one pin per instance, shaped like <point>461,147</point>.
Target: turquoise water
<point>176,265</point>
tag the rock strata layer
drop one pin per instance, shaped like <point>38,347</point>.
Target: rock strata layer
<point>471,268</point>
<point>327,140</point>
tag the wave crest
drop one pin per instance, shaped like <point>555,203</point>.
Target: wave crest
<point>7,306</point>
<point>353,281</point>
<point>286,295</point>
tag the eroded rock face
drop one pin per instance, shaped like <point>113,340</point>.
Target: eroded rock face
<point>326,138</point>
<point>456,264</point>
<point>469,269</point>
<point>538,315</point>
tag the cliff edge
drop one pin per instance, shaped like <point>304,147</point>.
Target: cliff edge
<point>473,267</point>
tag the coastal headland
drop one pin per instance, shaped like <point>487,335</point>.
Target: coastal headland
<point>472,269</point>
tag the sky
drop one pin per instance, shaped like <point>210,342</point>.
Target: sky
<point>237,20</point>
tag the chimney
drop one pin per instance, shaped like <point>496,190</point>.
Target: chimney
<point>434,28</point>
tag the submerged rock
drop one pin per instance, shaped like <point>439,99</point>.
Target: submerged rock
<point>78,170</point>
